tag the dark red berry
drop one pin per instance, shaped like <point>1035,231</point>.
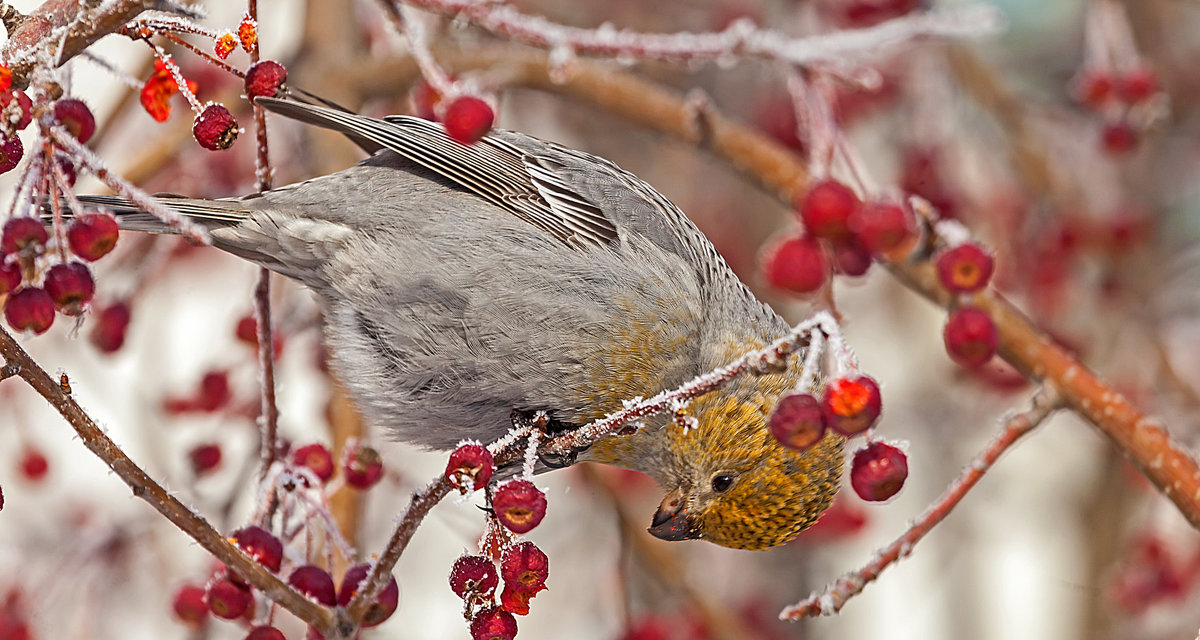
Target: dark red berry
<point>851,258</point>
<point>265,78</point>
<point>798,264</point>
<point>34,465</point>
<point>525,567</point>
<point>878,471</point>
<point>265,633</point>
<point>10,277</point>
<point>1118,137</point>
<point>92,235</point>
<point>385,603</point>
<point>970,337</point>
<point>1137,85</point>
<point>468,119</point>
<point>519,505</point>
<point>11,152</point>
<point>24,235</point>
<point>190,606</point>
<point>215,392</point>
<point>470,467</point>
<point>30,309</point>
<point>215,128</point>
<point>826,208</point>
<point>851,404</point>
<point>109,325</point>
<point>76,117</point>
<point>881,226</point>
<point>227,599</point>
<point>314,582</point>
<point>317,458</point>
<point>798,421</point>
<point>362,466</point>
<point>473,577</point>
<point>966,268</point>
<point>516,601</point>
<point>260,544</point>
<point>493,624</point>
<point>204,458</point>
<point>70,287</point>
<point>20,114</point>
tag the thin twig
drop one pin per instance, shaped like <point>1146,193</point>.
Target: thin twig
<point>831,600</point>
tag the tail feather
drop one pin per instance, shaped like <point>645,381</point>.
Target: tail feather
<point>212,214</point>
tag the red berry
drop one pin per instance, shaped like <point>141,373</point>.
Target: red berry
<point>205,458</point>
<point>315,457</point>
<point>17,108</point>
<point>385,603</point>
<point>1137,85</point>
<point>189,605</point>
<point>362,466</point>
<point>24,235</point>
<point>1094,88</point>
<point>34,465</point>
<point>70,287</point>
<point>798,421</point>
<point>516,601</point>
<point>247,329</point>
<point>76,117</point>
<point>30,309</point>
<point>881,226</point>
<point>851,404</point>
<point>473,577</point>
<point>227,599</point>
<point>248,33</point>
<point>260,544</point>
<point>970,337</point>
<point>10,277</point>
<point>109,327</point>
<point>1118,137</point>
<point>519,505</point>
<point>493,624</point>
<point>225,45</point>
<point>524,568</point>
<point>92,235</point>
<point>68,170</point>
<point>265,633</point>
<point>966,268</point>
<point>265,78</point>
<point>11,152</point>
<point>5,77</point>
<point>215,129</point>
<point>797,264</point>
<point>878,471</point>
<point>315,583</point>
<point>214,391</point>
<point>468,119</point>
<point>826,208</point>
<point>471,466</point>
<point>851,258</point>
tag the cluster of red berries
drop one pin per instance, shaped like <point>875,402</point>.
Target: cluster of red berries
<point>524,569</point>
<point>467,118</point>
<point>16,113</point>
<point>66,287</point>
<point>970,334</point>
<point>1154,574</point>
<point>842,234</point>
<point>517,504</point>
<point>1118,95</point>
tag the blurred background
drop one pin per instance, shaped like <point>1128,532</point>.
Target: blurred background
<point>1091,206</point>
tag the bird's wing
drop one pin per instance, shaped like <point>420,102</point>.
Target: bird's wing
<point>492,168</point>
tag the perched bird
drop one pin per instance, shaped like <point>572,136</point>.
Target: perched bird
<point>461,283</point>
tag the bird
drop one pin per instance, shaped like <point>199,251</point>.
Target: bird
<point>463,283</point>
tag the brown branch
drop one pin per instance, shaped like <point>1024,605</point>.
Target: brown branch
<point>834,597</point>
<point>144,487</point>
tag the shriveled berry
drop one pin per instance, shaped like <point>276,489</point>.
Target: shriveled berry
<point>468,119</point>
<point>265,633</point>
<point>970,337</point>
<point>30,309</point>
<point>826,208</point>
<point>851,258</point>
<point>225,45</point>
<point>156,95</point>
<point>493,624</point>
<point>515,600</point>
<point>189,605</point>
<point>315,583</point>
<point>1137,84</point>
<point>317,458</point>
<point>1119,137</point>
<point>109,326</point>
<point>260,544</point>
<point>385,603</point>
<point>519,505</point>
<point>24,235</point>
<point>92,235</point>
<point>966,268</point>
<point>227,599</point>
<point>70,287</point>
<point>881,226</point>
<point>470,467</point>
<point>473,577</point>
<point>265,78</point>
<point>797,264</point>
<point>362,466</point>
<point>851,404</point>
<point>76,117</point>
<point>33,464</point>
<point>248,33</point>
<point>5,77</point>
<point>215,128</point>
<point>878,471</point>
<point>204,458</point>
<point>17,108</point>
<point>798,421</point>
<point>525,567</point>
<point>10,277</point>
<point>11,152</point>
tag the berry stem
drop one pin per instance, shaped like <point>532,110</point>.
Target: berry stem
<point>828,602</point>
<point>204,55</point>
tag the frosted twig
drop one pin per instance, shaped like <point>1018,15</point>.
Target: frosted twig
<point>410,26</point>
<point>531,450</point>
<point>159,22</point>
<point>835,595</point>
<point>125,78</point>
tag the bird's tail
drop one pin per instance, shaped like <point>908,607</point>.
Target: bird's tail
<point>210,214</point>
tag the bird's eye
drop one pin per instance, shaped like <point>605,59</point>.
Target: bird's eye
<point>722,482</point>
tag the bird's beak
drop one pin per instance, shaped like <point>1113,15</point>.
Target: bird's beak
<point>672,521</point>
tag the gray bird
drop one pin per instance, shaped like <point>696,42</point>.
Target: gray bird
<point>463,283</point>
